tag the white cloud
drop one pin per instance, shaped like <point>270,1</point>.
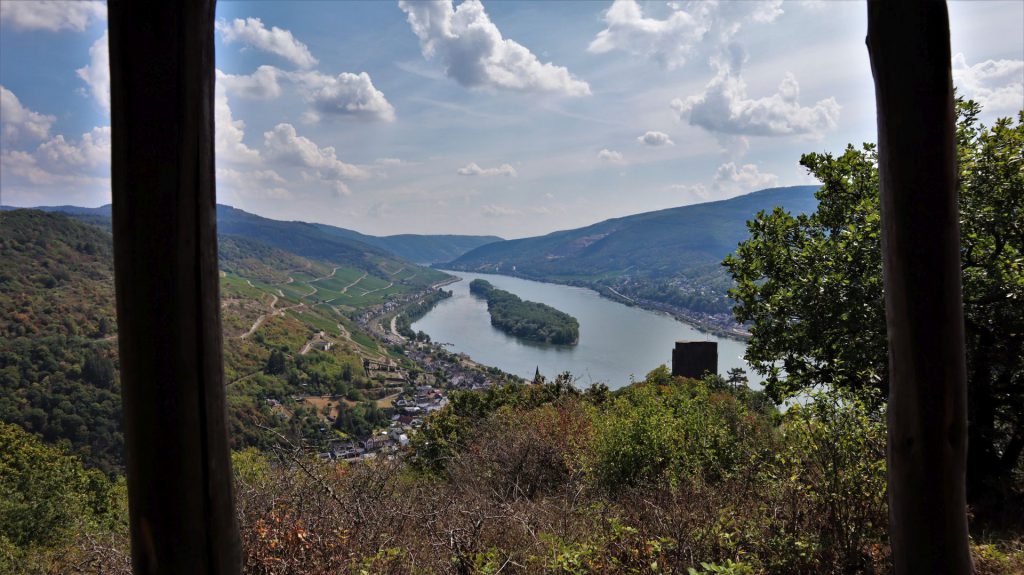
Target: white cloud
<point>668,42</point>
<point>732,179</point>
<point>265,184</point>
<point>656,139</point>
<point>51,16</point>
<point>229,132</point>
<point>283,144</point>
<point>610,156</point>
<point>346,94</point>
<point>692,191</point>
<point>97,73</point>
<point>723,106</point>
<point>58,160</point>
<point>496,211</point>
<point>475,54</point>
<point>62,156</point>
<point>341,189</point>
<point>998,85</point>
<point>472,169</point>
<point>672,40</point>
<point>252,32</point>
<point>260,85</point>
<point>18,123</point>
<point>389,161</point>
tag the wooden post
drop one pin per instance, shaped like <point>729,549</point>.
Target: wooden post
<point>908,42</point>
<point>168,311</point>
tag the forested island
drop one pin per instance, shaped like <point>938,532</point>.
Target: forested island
<point>526,319</point>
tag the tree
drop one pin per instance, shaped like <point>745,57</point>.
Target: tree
<point>811,288</point>
<point>737,378</point>
<point>991,171</point>
<point>98,369</point>
<point>811,284</point>
<point>275,363</point>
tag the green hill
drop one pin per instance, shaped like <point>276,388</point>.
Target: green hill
<point>58,348</point>
<point>422,249</point>
<point>306,239</point>
<point>670,255</point>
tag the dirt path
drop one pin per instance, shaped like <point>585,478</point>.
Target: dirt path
<point>379,289</point>
<point>259,321</point>
<point>345,289</point>
<point>309,344</point>
<point>394,327</point>
<point>330,275</point>
<point>359,279</point>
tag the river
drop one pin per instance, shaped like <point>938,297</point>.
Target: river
<point>616,341</point>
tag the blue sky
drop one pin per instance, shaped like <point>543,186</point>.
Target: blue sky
<point>513,118</point>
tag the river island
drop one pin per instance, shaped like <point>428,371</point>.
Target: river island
<point>526,319</point>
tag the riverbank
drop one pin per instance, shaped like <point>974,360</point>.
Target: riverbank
<point>617,343</point>
<point>686,316</point>
<point>713,326</point>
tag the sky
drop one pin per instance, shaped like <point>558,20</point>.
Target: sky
<point>512,118</point>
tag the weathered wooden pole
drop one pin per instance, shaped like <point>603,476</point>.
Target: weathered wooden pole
<point>908,42</point>
<point>168,312</point>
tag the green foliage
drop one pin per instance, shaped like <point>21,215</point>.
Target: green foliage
<point>526,319</point>
<point>663,429</point>
<point>991,163</point>
<point>811,288</point>
<point>258,261</point>
<point>834,449</point>
<point>449,430</point>
<point>811,285</point>
<point>57,353</point>
<point>47,499</point>
<point>359,420</point>
<point>275,363</point>
<point>727,568</point>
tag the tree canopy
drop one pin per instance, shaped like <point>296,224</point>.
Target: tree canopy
<point>810,287</point>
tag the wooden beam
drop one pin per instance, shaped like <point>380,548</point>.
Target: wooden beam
<point>168,312</point>
<point>908,42</point>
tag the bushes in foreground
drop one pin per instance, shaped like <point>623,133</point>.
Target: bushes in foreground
<point>665,476</point>
<point>661,477</point>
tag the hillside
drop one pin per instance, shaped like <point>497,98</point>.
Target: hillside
<point>57,334</point>
<point>307,239</point>
<point>296,334</point>
<point>671,255</point>
<point>422,249</point>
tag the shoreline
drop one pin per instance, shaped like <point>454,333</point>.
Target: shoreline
<point>666,309</point>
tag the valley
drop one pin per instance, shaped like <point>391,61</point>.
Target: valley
<point>305,353</point>
<point>323,331</point>
<point>667,260</point>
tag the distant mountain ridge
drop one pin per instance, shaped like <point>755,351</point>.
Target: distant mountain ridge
<point>418,248</point>
<point>316,240</point>
<point>669,256</point>
<point>648,244</point>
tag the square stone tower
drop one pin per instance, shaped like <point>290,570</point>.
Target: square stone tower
<point>694,359</point>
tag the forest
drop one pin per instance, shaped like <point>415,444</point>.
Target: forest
<point>526,319</point>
